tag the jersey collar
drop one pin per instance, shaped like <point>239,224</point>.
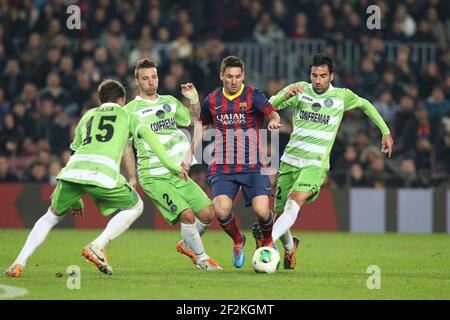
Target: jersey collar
<point>109,104</point>
<point>139,98</point>
<point>237,94</point>
<point>330,88</point>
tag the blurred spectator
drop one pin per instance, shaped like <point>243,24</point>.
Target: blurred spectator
<point>53,90</point>
<point>12,79</point>
<point>5,174</point>
<point>436,26</point>
<point>266,31</point>
<point>11,136</point>
<point>407,177</point>
<point>404,115</point>
<point>429,79</point>
<point>367,78</point>
<point>386,106</point>
<point>436,104</point>
<point>358,180</point>
<point>37,173</point>
<point>300,28</point>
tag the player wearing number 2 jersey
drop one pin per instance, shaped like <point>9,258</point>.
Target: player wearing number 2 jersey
<point>94,168</point>
<point>177,200</point>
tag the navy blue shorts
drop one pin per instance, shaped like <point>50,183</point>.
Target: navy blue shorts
<point>253,184</point>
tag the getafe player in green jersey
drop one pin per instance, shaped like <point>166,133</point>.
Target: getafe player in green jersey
<point>100,140</point>
<point>177,200</point>
<point>317,110</point>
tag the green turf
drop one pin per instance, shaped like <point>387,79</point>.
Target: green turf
<point>147,266</point>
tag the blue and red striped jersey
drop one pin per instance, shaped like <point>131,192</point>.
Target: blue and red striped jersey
<point>237,146</point>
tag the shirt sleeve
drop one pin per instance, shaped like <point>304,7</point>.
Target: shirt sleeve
<point>278,101</point>
<point>352,100</point>
<point>205,112</point>
<point>261,103</point>
<point>182,116</point>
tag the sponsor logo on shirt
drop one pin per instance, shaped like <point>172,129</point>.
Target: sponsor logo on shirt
<point>163,124</point>
<point>231,118</point>
<point>314,117</point>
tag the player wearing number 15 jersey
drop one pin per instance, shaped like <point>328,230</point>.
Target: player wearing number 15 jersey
<point>94,168</point>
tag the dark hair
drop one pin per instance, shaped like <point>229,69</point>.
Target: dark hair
<point>110,91</point>
<point>230,62</point>
<point>144,64</point>
<point>321,59</point>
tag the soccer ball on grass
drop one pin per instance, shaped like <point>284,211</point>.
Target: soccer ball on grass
<point>266,260</point>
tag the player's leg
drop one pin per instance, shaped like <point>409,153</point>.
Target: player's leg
<point>198,201</point>
<point>108,201</point>
<point>64,197</point>
<point>256,189</point>
<point>224,190</point>
<point>305,190</point>
<point>194,242</point>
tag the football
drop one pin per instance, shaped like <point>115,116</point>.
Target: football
<point>266,260</point>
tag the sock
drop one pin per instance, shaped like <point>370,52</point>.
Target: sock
<point>192,238</point>
<point>37,235</point>
<point>201,227</point>
<point>118,225</point>
<point>287,241</point>
<point>229,225</point>
<point>286,220</point>
<point>266,228</point>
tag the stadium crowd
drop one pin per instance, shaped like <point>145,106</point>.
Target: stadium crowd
<point>49,75</point>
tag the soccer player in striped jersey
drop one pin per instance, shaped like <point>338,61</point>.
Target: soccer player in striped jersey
<point>100,140</point>
<point>177,200</point>
<point>317,111</point>
<point>237,112</point>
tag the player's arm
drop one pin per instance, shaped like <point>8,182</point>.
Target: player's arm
<point>152,140</point>
<point>188,90</point>
<point>129,164</point>
<point>354,101</point>
<point>77,140</point>
<point>263,105</point>
<point>140,130</point>
<point>286,97</point>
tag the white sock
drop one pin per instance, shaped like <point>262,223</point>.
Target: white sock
<point>37,235</point>
<point>118,225</point>
<point>287,241</point>
<point>201,227</point>
<point>192,238</point>
<point>286,220</point>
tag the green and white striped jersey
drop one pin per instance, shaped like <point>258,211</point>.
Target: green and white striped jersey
<point>162,115</point>
<point>99,144</point>
<point>315,121</point>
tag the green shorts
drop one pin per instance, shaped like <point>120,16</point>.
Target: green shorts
<point>291,179</point>
<point>173,195</point>
<point>68,194</point>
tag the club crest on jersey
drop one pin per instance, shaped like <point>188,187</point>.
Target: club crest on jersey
<point>167,107</point>
<point>328,102</point>
<point>316,106</point>
<point>243,105</point>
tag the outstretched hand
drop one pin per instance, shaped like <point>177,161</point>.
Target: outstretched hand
<point>387,144</point>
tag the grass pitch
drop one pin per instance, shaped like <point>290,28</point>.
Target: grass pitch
<point>147,266</point>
